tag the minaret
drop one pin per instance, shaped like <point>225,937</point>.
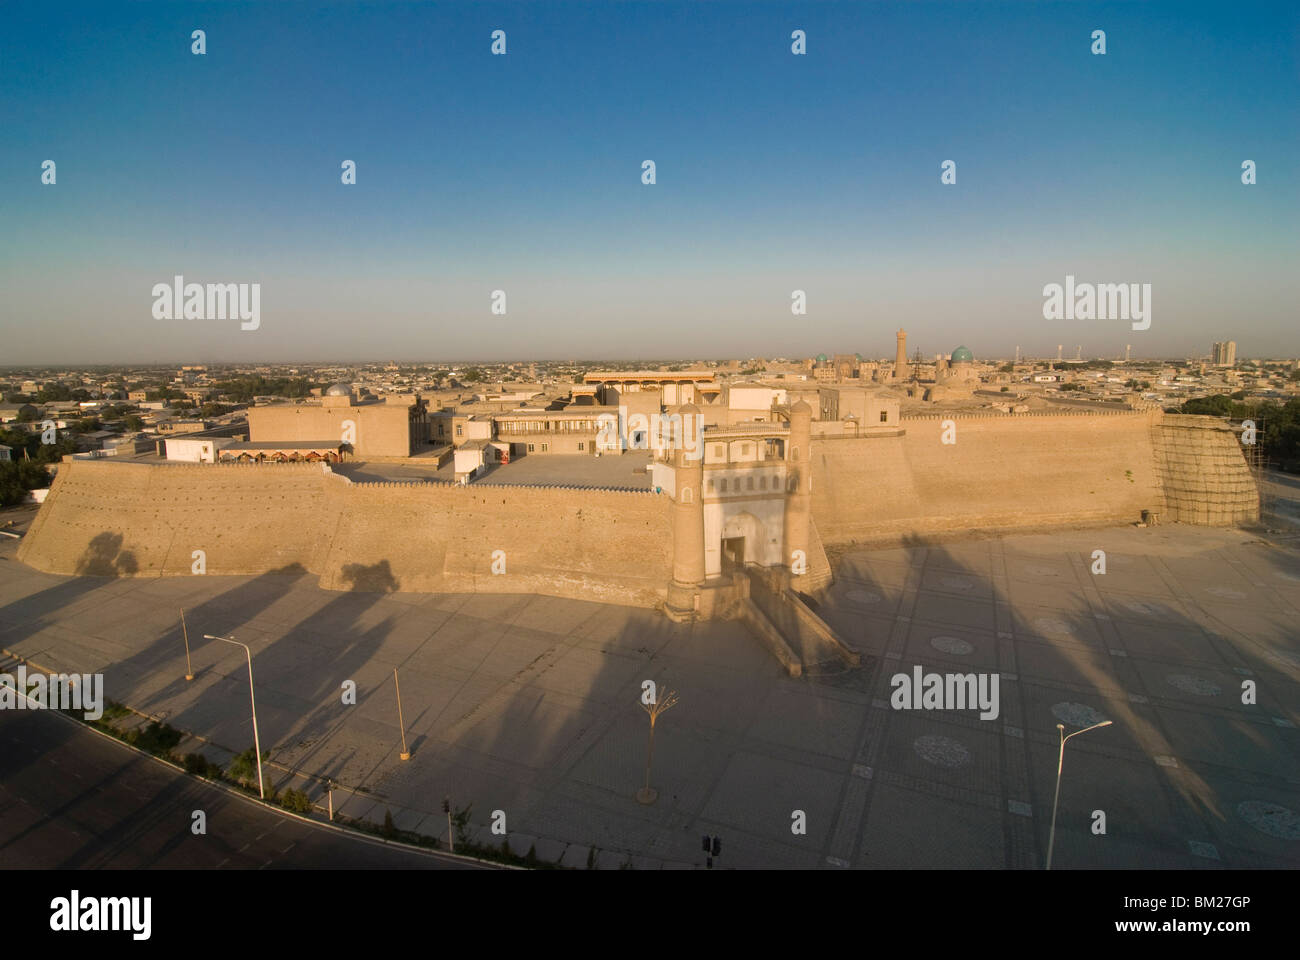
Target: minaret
<point>687,521</point>
<point>798,503</point>
<point>900,359</point>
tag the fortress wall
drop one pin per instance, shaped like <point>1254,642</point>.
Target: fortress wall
<point>1003,473</point>
<point>609,546</point>
<point>1204,471</point>
<point>124,519</point>
<point>119,519</point>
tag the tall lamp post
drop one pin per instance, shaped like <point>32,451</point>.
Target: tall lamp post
<point>1060,760</point>
<point>189,670</point>
<point>662,703</point>
<point>257,744</point>
<point>405,754</point>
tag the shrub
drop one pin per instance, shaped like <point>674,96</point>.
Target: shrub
<point>296,800</point>
<point>194,763</point>
<point>243,769</point>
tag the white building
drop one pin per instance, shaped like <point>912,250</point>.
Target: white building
<point>196,450</point>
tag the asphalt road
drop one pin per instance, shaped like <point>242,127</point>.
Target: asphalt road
<point>72,798</point>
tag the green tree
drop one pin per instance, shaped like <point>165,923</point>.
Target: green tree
<point>19,476</point>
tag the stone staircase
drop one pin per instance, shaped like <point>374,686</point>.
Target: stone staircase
<point>786,623</point>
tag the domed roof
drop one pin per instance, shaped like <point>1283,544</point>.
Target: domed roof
<point>962,355</point>
<point>339,390</point>
<point>821,358</point>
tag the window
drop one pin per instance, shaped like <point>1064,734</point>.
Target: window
<point>722,485</point>
<point>530,448</point>
<point>460,429</point>
<point>712,486</point>
<point>884,416</point>
<point>750,485</point>
<point>582,447</point>
<point>762,483</point>
<point>545,447</point>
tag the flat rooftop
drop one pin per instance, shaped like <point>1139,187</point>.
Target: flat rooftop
<point>579,470</point>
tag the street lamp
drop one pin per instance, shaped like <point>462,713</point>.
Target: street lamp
<point>661,704</point>
<point>405,754</point>
<point>189,670</point>
<point>1060,727</point>
<point>257,744</point>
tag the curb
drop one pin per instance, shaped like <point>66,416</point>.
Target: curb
<point>263,805</point>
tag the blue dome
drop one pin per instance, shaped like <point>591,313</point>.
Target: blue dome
<point>962,355</point>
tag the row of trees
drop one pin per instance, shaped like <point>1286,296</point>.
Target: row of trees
<point>244,389</point>
<point>30,444</point>
<point>1279,423</point>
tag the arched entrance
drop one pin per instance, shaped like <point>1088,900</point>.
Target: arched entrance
<point>743,536</point>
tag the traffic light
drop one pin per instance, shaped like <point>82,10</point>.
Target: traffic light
<point>706,843</point>
<point>446,806</point>
<point>717,846</point>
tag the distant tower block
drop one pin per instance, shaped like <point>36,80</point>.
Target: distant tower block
<point>1058,351</point>
<point>1017,353</point>
<point>1128,350</point>
<point>798,507</point>
<point>900,358</point>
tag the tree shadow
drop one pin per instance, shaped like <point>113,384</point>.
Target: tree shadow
<point>104,557</point>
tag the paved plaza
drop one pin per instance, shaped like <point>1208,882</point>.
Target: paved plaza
<point>529,705</point>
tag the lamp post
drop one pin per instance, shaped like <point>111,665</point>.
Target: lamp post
<point>666,702</point>
<point>257,743</point>
<point>189,670</point>
<point>405,754</point>
<point>451,833</point>
<point>1060,760</point>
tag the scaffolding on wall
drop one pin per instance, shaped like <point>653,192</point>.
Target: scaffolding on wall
<point>1259,466</point>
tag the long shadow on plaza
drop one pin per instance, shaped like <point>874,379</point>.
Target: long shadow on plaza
<point>298,696</point>
<point>1060,654</point>
<point>105,566</point>
<point>1027,615</point>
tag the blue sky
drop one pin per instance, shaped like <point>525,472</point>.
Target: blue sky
<point>522,172</point>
